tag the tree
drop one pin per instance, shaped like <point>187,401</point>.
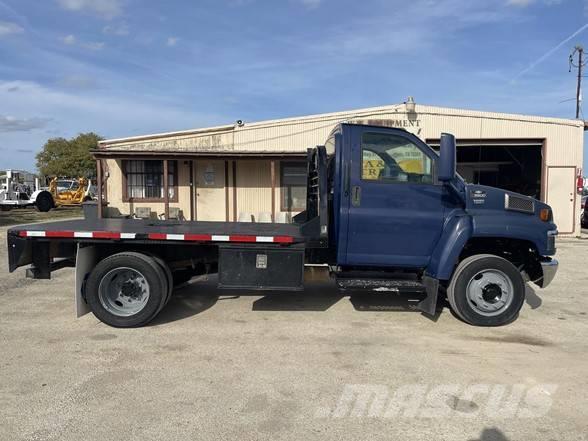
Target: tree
<point>68,157</point>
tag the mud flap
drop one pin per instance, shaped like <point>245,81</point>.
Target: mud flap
<point>429,304</point>
<point>86,260</point>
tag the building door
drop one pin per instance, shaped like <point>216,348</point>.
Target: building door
<point>561,195</point>
<point>210,190</point>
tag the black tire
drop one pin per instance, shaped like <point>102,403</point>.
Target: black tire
<point>168,277</point>
<point>154,278</point>
<point>471,269</point>
<point>44,202</point>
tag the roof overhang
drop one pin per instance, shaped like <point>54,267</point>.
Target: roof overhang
<point>202,131</point>
<point>122,154</point>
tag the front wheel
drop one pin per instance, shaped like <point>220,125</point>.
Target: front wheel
<point>486,290</point>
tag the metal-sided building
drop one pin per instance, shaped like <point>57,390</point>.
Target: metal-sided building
<point>256,171</point>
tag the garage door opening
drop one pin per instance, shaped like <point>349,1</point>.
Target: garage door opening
<point>510,165</point>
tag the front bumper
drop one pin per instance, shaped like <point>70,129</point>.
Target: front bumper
<point>549,269</point>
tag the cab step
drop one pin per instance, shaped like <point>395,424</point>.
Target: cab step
<point>401,284</point>
<point>380,285</point>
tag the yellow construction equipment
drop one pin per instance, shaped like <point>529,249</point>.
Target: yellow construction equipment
<point>70,197</point>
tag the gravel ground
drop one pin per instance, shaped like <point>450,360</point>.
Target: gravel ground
<point>216,366</point>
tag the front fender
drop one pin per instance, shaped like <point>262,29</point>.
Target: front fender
<point>515,226</point>
<point>456,233</point>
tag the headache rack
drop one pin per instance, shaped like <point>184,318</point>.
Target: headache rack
<point>315,219</point>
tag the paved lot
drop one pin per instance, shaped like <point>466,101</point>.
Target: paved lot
<point>217,367</point>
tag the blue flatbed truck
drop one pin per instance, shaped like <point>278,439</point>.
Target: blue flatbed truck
<point>384,212</point>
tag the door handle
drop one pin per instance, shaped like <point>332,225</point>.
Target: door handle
<point>356,196</point>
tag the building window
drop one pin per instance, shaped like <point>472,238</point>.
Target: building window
<point>144,180</point>
<point>293,183</point>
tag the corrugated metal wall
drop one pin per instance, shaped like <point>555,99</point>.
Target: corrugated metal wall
<point>563,140</point>
<point>294,135</point>
<point>254,194</point>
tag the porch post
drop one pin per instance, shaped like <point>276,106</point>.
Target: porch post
<point>227,207</point>
<point>99,186</point>
<point>165,189</point>
<point>235,214</point>
<point>273,173</point>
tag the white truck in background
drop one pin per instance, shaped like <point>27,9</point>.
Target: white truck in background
<point>18,188</point>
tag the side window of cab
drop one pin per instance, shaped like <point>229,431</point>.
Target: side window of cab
<point>394,159</point>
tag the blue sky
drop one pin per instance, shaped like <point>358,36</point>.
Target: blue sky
<point>128,67</point>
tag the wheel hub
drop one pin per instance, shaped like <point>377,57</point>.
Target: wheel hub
<point>490,292</point>
<point>131,289</point>
<point>123,292</point>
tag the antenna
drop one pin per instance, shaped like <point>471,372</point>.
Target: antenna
<point>581,63</point>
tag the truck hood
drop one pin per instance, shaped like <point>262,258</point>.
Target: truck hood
<point>481,197</point>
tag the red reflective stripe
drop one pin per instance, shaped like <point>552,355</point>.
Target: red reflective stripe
<point>157,236</point>
<point>162,236</point>
<point>242,238</point>
<point>59,234</point>
<point>105,235</point>
<point>283,239</point>
<point>198,237</point>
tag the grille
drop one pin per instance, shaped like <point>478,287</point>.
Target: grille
<point>517,203</point>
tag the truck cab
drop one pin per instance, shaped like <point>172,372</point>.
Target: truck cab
<point>401,206</point>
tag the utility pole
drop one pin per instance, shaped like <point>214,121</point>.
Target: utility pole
<point>580,51</point>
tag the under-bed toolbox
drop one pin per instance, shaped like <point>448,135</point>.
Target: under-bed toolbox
<point>261,268</point>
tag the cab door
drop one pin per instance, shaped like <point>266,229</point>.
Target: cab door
<point>395,206</point>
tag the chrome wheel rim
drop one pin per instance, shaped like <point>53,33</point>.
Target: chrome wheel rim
<point>123,292</point>
<point>490,292</point>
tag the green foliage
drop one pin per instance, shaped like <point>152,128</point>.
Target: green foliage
<point>69,157</point>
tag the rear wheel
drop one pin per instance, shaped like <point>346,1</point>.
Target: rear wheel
<point>486,290</point>
<point>126,290</point>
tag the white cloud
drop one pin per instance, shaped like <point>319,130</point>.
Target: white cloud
<point>8,28</point>
<point>413,30</point>
<point>520,3</point>
<point>104,8</point>
<point>172,41</point>
<point>74,111</point>
<point>13,124</point>
<point>311,4</point>
<point>120,29</point>
<point>93,45</point>
<point>79,82</point>
<point>525,3</point>
<point>69,39</point>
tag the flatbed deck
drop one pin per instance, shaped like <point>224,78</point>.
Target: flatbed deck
<point>138,229</point>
